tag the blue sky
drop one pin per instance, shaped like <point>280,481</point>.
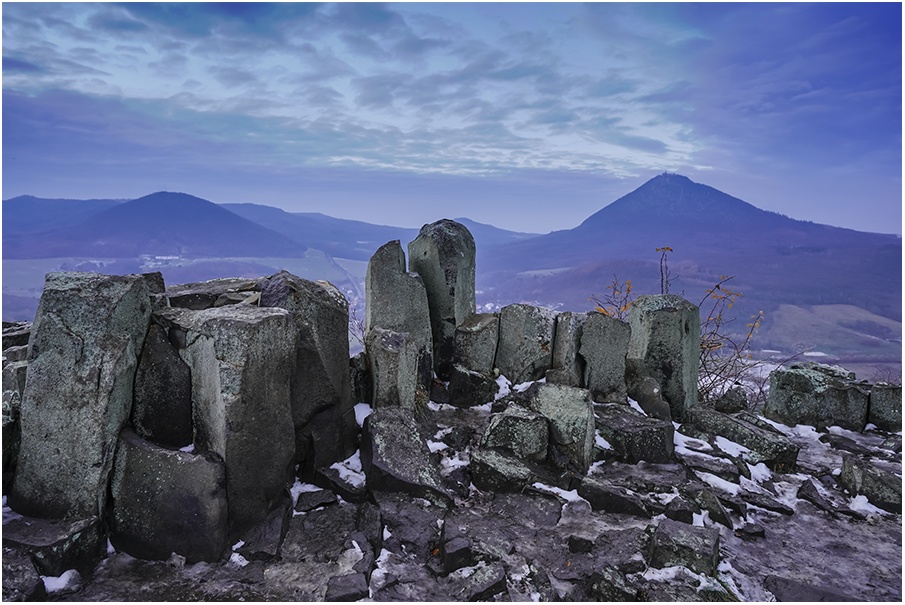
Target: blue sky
<point>527,116</point>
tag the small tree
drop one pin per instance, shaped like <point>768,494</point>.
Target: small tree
<point>617,301</point>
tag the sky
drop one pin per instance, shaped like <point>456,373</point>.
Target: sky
<point>527,116</point>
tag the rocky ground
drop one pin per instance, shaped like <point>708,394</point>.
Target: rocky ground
<point>712,523</point>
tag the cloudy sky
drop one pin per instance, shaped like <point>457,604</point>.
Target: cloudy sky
<point>527,116</point>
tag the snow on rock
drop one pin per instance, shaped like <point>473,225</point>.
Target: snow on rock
<point>189,449</point>
<point>718,483</point>
<point>505,387</point>
<point>636,406</point>
<point>298,488</point>
<point>238,560</point>
<point>687,445</point>
<point>436,446</point>
<point>600,442</point>
<point>350,470</point>
<point>731,447</point>
<point>760,473</point>
<point>69,581</point>
<point>860,504</point>
<point>362,411</point>
<point>568,496</point>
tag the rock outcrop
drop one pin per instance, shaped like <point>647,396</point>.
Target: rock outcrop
<point>525,349</point>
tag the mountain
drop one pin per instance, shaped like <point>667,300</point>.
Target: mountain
<point>776,260</point>
<point>29,214</point>
<point>355,240</point>
<point>162,223</point>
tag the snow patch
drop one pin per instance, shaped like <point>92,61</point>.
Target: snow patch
<point>238,560</point>
<point>861,504</point>
<point>505,387</point>
<point>568,496</point>
<point>189,449</point>
<point>110,549</point>
<point>238,545</point>
<point>448,465</point>
<point>69,580</point>
<point>436,446</point>
<point>685,444</point>
<point>718,483</point>
<point>298,488</point>
<point>439,407</point>
<point>443,433</point>
<point>600,442</point>
<point>362,411</point>
<point>350,470</point>
<point>634,404</point>
<point>523,386</point>
<point>486,407</point>
<point>387,534</point>
<point>731,447</point>
<point>816,354</point>
<point>760,473</point>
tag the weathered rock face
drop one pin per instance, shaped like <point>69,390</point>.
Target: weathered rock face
<point>56,545</point>
<point>769,447</point>
<point>93,326</point>
<point>167,501</point>
<point>571,417</point>
<point>604,345</point>
<point>476,342</point>
<point>635,437</point>
<point>214,293</point>
<point>162,402</point>
<point>395,457</point>
<point>320,379</point>
<point>242,358</point>
<point>568,365</point>
<point>525,350</point>
<point>468,388</point>
<point>21,581</point>
<point>665,335</point>
<point>886,407</point>
<point>15,368</point>
<point>816,395</point>
<point>521,431</point>
<point>397,368</point>
<point>397,302</point>
<point>443,255</point>
<point>882,489</point>
<point>697,548</point>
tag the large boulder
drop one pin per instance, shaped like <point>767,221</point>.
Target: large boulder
<point>398,368</point>
<point>167,501</point>
<point>604,345</point>
<point>83,354</point>
<point>665,336</point>
<point>766,446</point>
<point>499,471</point>
<point>525,349</point>
<point>882,488</point>
<point>635,437</point>
<point>443,255</point>
<point>321,378</point>
<point>476,342</point>
<point>570,413</point>
<point>885,409</point>
<point>817,395</point>
<point>207,294</point>
<point>162,403</point>
<point>57,545</point>
<point>524,433</point>
<point>242,360</point>
<point>395,457</point>
<point>468,388</point>
<point>568,365</point>
<point>676,543</point>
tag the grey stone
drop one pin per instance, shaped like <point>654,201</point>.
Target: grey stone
<point>456,553</point>
<point>789,589</point>
<point>395,457</point>
<point>15,353</point>
<point>882,488</point>
<point>496,471</point>
<point>675,543</point>
<point>681,509</point>
<point>350,587</point>
<point>568,363</point>
<point>14,373</point>
<point>15,334</point>
<point>204,295</point>
<point>486,582</point>
<point>263,541</point>
<point>468,388</point>
<point>321,378</point>
<point>21,581</point>
<point>320,442</point>
<point>397,363</point>
<point>520,431</point>
<point>707,500</point>
<point>237,298</point>
<point>665,335</point>
<point>635,437</point>
<point>308,501</point>
<point>767,503</point>
<point>733,400</point>
<point>86,337</point>
<point>750,532</point>
<point>809,491</point>
<point>769,447</point>
<point>571,416</point>
<point>443,255</point>
<point>816,396</point>
<point>476,342</point>
<point>397,302</point>
<point>362,386</point>
<point>885,409</point>
<point>330,478</point>
<point>162,399</point>
<point>649,395</point>
<point>57,545</point>
<point>166,501</point>
<point>612,499</point>
<point>525,350</point>
<point>604,345</point>
<point>242,359</point>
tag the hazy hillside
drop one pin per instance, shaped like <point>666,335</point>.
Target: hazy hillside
<point>162,223</point>
<point>29,214</point>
